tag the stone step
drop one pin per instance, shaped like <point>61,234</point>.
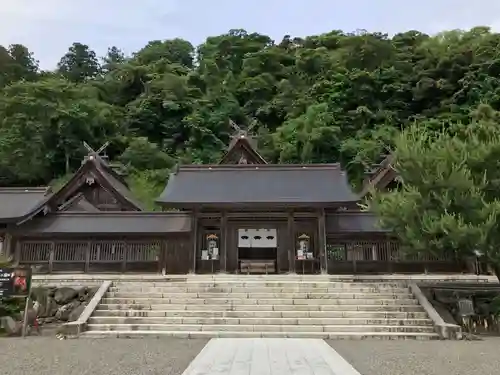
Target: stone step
<point>259,284</point>
<point>261,314</point>
<point>270,307</point>
<point>257,321</point>
<point>258,328</point>
<point>174,289</point>
<point>258,301</point>
<point>252,295</point>
<point>229,334</point>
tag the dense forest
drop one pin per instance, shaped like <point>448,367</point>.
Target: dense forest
<point>335,97</point>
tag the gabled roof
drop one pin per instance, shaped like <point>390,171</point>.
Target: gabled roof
<point>96,167</point>
<point>269,185</point>
<point>242,151</point>
<point>16,203</point>
<point>381,176</point>
<point>78,203</point>
<point>93,166</point>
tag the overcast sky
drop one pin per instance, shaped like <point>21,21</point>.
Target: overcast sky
<point>49,27</point>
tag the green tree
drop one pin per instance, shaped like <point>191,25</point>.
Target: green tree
<point>143,155</point>
<point>333,97</point>
<point>79,64</point>
<point>43,125</point>
<point>113,59</point>
<point>24,64</point>
<point>449,203</point>
<point>309,138</point>
<point>177,51</point>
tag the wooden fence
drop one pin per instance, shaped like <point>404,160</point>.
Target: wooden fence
<point>344,256</point>
<point>91,256</point>
<point>383,256</point>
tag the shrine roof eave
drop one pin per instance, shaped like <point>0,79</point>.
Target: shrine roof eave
<point>107,223</point>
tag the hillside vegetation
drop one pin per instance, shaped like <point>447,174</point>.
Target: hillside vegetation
<point>336,97</point>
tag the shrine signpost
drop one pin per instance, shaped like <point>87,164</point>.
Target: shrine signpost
<point>16,283</point>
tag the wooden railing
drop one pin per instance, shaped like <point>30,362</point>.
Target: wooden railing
<point>383,256</point>
<point>91,256</point>
<point>344,256</point>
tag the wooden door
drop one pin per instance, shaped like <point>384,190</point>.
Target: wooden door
<point>178,255</point>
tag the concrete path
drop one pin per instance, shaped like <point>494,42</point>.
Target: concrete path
<point>269,357</point>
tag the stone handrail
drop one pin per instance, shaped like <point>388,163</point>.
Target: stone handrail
<point>446,331</point>
<point>79,325</point>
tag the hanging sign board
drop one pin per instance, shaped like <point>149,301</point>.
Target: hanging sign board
<point>15,282</point>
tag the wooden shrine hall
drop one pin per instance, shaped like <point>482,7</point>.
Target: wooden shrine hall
<point>242,215</point>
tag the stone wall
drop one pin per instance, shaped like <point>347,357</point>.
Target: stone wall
<point>483,317</point>
<point>51,306</point>
<point>63,304</point>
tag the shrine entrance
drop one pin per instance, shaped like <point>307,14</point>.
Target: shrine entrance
<point>257,250</point>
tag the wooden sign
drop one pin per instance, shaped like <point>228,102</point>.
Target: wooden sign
<point>15,282</point>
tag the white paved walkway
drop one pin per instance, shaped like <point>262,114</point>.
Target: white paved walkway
<point>269,357</point>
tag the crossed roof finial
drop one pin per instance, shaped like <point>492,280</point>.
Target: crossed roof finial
<point>242,132</point>
<point>99,150</point>
<point>95,154</point>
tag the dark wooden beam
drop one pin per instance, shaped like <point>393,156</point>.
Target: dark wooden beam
<point>126,254</point>
<point>17,255</point>
<point>51,256</point>
<point>6,244</point>
<point>322,240</point>
<point>87,256</point>
<point>291,241</point>
<point>223,243</point>
<point>257,215</point>
<point>194,231</point>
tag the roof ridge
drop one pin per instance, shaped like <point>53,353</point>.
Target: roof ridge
<point>120,213</point>
<point>38,189</point>
<point>232,167</point>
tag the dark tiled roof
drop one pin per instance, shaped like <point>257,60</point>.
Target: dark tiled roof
<point>16,203</point>
<point>356,221</point>
<point>108,223</point>
<point>254,184</point>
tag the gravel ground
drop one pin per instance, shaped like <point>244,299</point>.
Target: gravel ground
<point>421,357</point>
<point>49,356</point>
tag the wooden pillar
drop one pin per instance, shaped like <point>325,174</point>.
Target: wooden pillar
<point>194,233</point>
<point>6,245</point>
<point>87,257</point>
<point>51,256</point>
<point>291,242</point>
<point>223,242</point>
<point>125,256</point>
<point>323,260</point>
<point>4,248</point>
<point>17,255</point>
<point>162,262</point>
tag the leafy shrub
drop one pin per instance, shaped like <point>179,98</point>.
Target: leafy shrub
<point>495,307</point>
<point>10,306</point>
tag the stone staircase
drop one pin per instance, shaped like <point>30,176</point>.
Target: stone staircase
<point>248,306</point>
